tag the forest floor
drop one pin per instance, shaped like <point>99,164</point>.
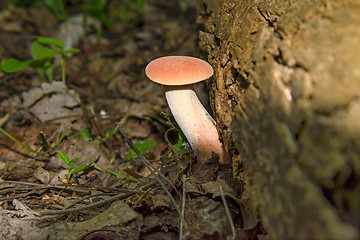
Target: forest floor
<point>110,193</point>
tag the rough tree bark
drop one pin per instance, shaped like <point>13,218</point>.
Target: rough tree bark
<point>286,96</point>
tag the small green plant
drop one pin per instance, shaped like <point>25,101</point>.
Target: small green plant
<point>140,6</point>
<point>96,9</point>
<point>179,146</point>
<point>24,3</point>
<point>133,176</point>
<point>111,132</point>
<point>43,51</point>
<point>81,167</point>
<point>22,144</point>
<point>69,162</point>
<point>59,140</point>
<point>143,147</point>
<point>58,8</point>
<point>84,134</point>
<point>108,133</point>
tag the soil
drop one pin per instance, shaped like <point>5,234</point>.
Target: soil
<point>118,198</point>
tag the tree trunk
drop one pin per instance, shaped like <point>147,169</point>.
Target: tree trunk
<point>286,96</point>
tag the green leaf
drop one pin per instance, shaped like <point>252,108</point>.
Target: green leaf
<point>183,150</point>
<point>97,10</point>
<point>179,142</point>
<point>49,71</point>
<point>78,168</point>
<point>166,116</point>
<point>180,149</point>
<point>72,161</point>
<point>142,146</point>
<point>41,51</point>
<point>38,63</point>
<point>111,132</point>
<point>69,51</point>
<point>57,143</point>
<point>41,73</point>
<point>50,41</point>
<point>64,158</point>
<point>13,65</point>
<point>21,2</point>
<point>57,6</point>
<point>140,6</point>
<point>121,175</point>
<point>84,133</point>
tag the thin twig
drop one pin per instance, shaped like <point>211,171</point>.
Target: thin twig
<point>183,200</point>
<point>19,196</point>
<point>38,186</point>
<point>96,195</point>
<point>146,162</point>
<point>228,215</point>
<point>35,186</point>
<point>94,121</point>
<point>78,209</point>
<point>22,144</point>
<point>87,197</point>
<point>4,119</point>
<point>151,168</point>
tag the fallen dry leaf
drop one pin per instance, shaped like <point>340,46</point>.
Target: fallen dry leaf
<point>116,215</point>
<point>42,175</point>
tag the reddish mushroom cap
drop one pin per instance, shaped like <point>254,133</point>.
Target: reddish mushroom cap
<point>178,70</point>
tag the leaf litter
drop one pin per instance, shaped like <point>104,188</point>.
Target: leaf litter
<point>105,85</point>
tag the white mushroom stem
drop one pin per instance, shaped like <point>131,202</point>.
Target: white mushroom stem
<point>195,122</point>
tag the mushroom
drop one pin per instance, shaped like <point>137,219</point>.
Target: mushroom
<point>178,74</point>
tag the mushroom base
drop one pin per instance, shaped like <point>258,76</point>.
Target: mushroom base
<point>195,122</point>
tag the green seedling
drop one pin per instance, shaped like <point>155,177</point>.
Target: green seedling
<point>43,50</point>
<point>111,132</point>
<point>46,144</point>
<point>57,143</point>
<point>81,167</point>
<point>25,3</point>
<point>179,146</point>
<point>22,144</point>
<point>140,6</point>
<point>84,134</point>
<point>126,10</point>
<point>142,146</point>
<point>96,9</point>
<point>108,133</point>
<point>58,8</point>
<point>133,178</point>
<point>69,162</point>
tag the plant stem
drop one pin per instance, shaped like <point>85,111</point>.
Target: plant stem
<point>63,73</point>
<point>22,144</point>
<point>115,173</point>
<point>41,74</point>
